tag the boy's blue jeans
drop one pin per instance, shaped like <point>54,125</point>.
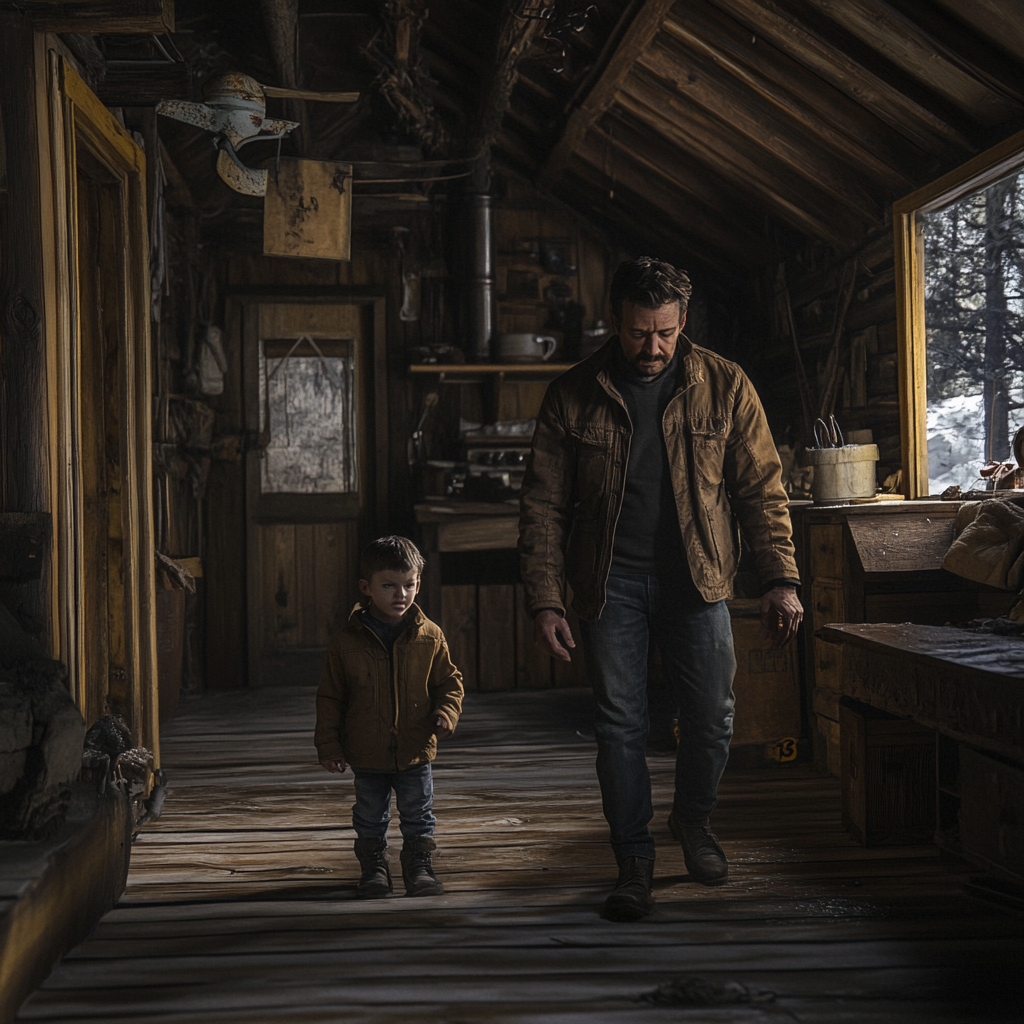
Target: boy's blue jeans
<point>414,797</point>
<point>696,651</point>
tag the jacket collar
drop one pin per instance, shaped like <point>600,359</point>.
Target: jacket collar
<point>691,365</point>
<point>417,619</point>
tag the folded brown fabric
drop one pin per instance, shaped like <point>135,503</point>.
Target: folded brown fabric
<point>991,547</point>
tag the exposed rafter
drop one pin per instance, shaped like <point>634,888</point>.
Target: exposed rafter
<point>647,18</point>
<point>693,80</point>
<point>680,205</point>
<point>514,37</point>
<point>806,209</point>
<point>776,81</point>
<point>910,118</point>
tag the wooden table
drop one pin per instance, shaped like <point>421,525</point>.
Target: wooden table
<point>969,688</point>
<point>460,526</point>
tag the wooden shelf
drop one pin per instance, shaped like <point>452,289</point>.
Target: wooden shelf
<point>485,369</point>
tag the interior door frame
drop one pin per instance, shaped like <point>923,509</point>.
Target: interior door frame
<point>78,117</point>
<point>290,510</point>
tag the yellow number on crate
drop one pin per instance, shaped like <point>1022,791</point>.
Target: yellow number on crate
<point>785,749</point>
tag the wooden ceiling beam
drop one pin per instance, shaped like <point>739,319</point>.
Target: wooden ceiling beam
<point>633,230</point>
<point>680,205</point>
<point>840,124</point>
<point>962,44</point>
<point>646,19</point>
<point>514,37</point>
<point>997,21</point>
<point>796,202</point>
<point>914,121</point>
<point>96,16</point>
<point>661,157</point>
<point>700,81</point>
<point>903,42</point>
<point>632,233</point>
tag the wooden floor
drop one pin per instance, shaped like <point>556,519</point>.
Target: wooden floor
<point>239,905</point>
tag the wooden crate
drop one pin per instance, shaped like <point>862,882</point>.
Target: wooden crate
<point>767,687</point>
<point>887,771</point>
<point>991,826</point>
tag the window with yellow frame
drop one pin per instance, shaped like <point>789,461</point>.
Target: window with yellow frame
<point>960,294</point>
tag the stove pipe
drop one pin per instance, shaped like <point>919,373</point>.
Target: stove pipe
<point>480,304</point>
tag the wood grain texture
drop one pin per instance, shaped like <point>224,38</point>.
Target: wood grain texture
<point>497,642</point>
<point>242,893</point>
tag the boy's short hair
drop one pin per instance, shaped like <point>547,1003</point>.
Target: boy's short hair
<point>649,283</point>
<point>397,554</point>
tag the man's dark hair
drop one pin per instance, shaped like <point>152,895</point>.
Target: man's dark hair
<point>397,554</point>
<point>649,283</point>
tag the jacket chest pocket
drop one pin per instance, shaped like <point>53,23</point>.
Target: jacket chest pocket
<point>707,447</point>
<point>593,450</point>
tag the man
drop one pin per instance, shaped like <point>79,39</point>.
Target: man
<point>646,458</point>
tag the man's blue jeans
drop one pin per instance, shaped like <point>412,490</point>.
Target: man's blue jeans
<point>696,651</point>
<point>414,797</point>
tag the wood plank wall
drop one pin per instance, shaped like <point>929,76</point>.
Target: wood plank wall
<point>491,640</point>
<point>867,395</point>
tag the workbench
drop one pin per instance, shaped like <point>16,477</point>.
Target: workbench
<point>969,688</point>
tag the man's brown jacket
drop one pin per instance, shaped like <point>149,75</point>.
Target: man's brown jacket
<point>725,473</point>
<point>379,712</point>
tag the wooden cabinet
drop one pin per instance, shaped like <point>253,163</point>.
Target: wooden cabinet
<point>875,563</point>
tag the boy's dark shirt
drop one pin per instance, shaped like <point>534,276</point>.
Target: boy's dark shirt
<point>387,632</point>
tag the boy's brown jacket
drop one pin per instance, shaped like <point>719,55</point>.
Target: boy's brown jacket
<point>725,473</point>
<point>378,718</point>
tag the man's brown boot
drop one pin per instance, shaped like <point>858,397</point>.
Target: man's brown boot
<point>631,899</point>
<point>375,880</point>
<point>418,868</point>
<point>703,854</point>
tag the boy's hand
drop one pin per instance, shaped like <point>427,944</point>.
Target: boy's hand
<point>442,727</point>
<point>334,764</point>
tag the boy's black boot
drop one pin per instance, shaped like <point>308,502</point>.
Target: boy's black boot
<point>418,867</point>
<point>632,899</point>
<point>376,877</point>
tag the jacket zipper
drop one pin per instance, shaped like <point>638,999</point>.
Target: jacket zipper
<point>393,662</point>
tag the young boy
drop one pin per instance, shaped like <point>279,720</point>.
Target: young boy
<point>388,693</point>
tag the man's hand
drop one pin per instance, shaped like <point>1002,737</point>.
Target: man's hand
<point>552,635</point>
<point>334,764</point>
<point>781,615</point>
<point>443,728</point>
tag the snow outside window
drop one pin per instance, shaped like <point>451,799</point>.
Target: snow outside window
<point>307,399</point>
<point>974,329</point>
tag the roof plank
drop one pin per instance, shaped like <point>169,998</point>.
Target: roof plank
<point>703,82</point>
<point>637,228</point>
<point>681,207</point>
<point>792,200</point>
<point>820,109</point>
<point>791,35</point>
<point>904,43</point>
<point>645,23</point>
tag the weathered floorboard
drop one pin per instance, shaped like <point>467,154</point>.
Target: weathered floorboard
<point>240,902</point>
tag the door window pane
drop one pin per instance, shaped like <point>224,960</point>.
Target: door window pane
<point>307,416</point>
<point>973,322</point>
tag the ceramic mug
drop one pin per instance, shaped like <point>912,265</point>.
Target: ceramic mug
<point>526,348</point>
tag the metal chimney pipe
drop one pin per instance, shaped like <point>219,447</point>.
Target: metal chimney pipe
<point>480,305</point>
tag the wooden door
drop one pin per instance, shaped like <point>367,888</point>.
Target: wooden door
<point>313,489</point>
<point>98,302</point>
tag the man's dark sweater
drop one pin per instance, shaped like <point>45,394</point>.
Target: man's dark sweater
<point>647,537</point>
